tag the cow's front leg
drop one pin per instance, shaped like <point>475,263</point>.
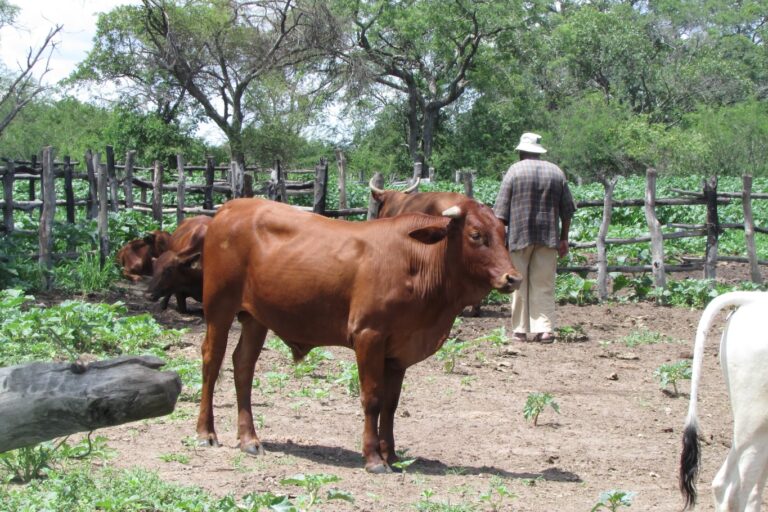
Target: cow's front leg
<point>244,360</point>
<point>369,351</point>
<point>214,347</point>
<point>393,383</point>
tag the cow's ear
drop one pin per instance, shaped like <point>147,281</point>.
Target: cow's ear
<point>429,234</point>
<point>149,238</point>
<point>191,261</point>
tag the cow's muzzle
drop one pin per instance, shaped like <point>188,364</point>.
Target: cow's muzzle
<point>509,283</point>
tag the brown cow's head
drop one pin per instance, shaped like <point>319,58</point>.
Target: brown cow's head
<point>476,238</point>
<point>174,272</point>
<point>390,200</point>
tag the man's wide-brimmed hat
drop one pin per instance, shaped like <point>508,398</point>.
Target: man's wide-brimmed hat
<point>530,143</point>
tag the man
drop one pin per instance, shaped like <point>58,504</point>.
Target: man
<point>534,198</point>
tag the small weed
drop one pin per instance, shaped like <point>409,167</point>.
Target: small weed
<point>498,337</point>
<point>571,333</point>
<point>449,353</point>
<point>310,364</point>
<point>348,377</point>
<point>643,337</point>
<point>613,500</point>
<point>496,495</point>
<point>312,484</point>
<point>181,458</point>
<point>671,373</point>
<point>535,405</point>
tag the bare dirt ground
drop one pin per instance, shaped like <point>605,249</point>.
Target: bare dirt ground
<point>616,428</point>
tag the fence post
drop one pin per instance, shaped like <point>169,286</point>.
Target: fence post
<point>112,177</point>
<point>713,228</point>
<point>32,165</point>
<point>342,163</point>
<point>157,193</point>
<point>69,192</point>
<point>181,189</point>
<point>416,171</point>
<point>373,205</point>
<point>47,214</point>
<point>8,196</point>
<point>654,226</point>
<point>92,203</point>
<point>130,157</point>
<point>102,181</point>
<point>321,187</point>
<point>602,257</point>
<point>468,178</point>
<point>208,193</point>
<point>236,178</point>
<point>749,229</point>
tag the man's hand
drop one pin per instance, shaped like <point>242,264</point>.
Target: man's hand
<point>562,248</point>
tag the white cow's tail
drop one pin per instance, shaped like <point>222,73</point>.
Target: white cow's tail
<point>690,458</point>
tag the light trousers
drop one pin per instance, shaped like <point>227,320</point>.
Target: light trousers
<point>533,305</point>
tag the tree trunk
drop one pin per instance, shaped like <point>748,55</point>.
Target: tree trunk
<point>749,230</point>
<point>50,400</point>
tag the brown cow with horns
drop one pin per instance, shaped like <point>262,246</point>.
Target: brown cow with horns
<point>389,289</point>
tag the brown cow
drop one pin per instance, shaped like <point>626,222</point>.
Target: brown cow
<point>136,256</point>
<point>390,289</point>
<point>178,271</point>
<point>396,202</point>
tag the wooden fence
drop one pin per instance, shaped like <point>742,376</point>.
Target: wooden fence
<point>110,186</point>
<point>711,229</point>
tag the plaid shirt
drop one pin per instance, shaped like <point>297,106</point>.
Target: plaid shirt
<point>533,197</point>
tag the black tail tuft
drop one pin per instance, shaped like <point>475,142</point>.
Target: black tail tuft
<point>690,459</point>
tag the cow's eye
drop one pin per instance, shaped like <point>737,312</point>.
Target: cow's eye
<point>476,236</point>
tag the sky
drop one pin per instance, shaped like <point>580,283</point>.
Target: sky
<point>37,17</point>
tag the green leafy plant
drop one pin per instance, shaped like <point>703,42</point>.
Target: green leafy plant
<point>450,352</point>
<point>497,495</point>
<point>613,500</point>
<point>312,483</point>
<point>498,337</point>
<point>311,362</point>
<point>535,405</point>
<point>348,377</point>
<point>571,333</point>
<point>643,337</point>
<point>671,373</point>
<point>31,462</point>
<point>181,458</point>
<point>574,289</point>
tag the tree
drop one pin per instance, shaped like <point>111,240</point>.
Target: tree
<point>423,52</point>
<point>18,87</point>
<point>218,50</point>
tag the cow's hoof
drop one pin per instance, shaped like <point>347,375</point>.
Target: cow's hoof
<point>208,442</point>
<point>378,469</point>
<point>253,449</point>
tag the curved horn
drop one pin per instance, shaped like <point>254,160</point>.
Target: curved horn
<point>412,187</point>
<point>454,212</point>
<point>374,188</point>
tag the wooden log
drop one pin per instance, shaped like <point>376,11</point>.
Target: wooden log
<point>130,158</point>
<point>602,254</point>
<point>93,200</point>
<point>46,218</point>
<point>112,179</point>
<point>321,187</point>
<point>740,259</point>
<point>346,212</point>
<point>210,168</point>
<point>749,229</point>
<point>157,193</point>
<point>713,228</point>
<point>641,202</point>
<point>416,171</point>
<point>69,192</point>
<point>654,226</point>
<point>342,163</point>
<point>631,269</point>
<point>468,178</point>
<point>103,224</point>
<point>51,400</point>
<point>641,239</point>
<point>373,205</point>
<point>740,194</point>
<point>181,189</point>
<point>8,223</point>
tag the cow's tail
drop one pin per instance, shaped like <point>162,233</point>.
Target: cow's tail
<point>690,458</point>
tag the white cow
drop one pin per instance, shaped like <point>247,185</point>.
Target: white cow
<point>739,484</point>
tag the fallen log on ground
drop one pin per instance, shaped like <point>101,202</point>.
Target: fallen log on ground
<point>42,401</point>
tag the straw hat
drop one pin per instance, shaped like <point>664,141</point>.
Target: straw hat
<point>530,143</point>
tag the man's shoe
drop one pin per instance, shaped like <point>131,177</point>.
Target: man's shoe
<point>545,337</point>
<point>520,336</point>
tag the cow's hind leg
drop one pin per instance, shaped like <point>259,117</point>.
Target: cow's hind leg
<point>213,350</point>
<point>369,351</point>
<point>393,382</point>
<point>244,360</point>
<point>739,483</point>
